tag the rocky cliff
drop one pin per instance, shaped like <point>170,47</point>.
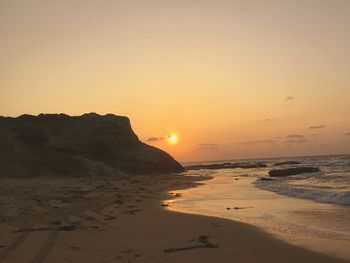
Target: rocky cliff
<point>91,144</point>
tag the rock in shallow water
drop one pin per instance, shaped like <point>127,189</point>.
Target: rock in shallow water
<point>226,166</point>
<point>293,171</point>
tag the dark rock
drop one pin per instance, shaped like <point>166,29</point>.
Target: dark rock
<point>239,207</point>
<point>226,166</point>
<point>287,163</point>
<point>91,144</point>
<point>293,171</point>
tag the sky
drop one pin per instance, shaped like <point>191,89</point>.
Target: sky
<point>231,79</point>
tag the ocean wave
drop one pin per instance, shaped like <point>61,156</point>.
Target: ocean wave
<point>282,187</point>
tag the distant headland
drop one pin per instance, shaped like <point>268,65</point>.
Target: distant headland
<point>91,144</point>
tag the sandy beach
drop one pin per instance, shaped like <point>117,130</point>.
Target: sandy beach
<point>123,220</point>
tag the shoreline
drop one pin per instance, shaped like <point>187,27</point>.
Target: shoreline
<point>320,227</point>
<point>123,221</point>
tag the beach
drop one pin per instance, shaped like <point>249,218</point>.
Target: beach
<point>125,220</point>
<point>158,131</point>
<point>321,227</point>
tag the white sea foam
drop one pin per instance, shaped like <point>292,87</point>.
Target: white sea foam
<point>328,195</point>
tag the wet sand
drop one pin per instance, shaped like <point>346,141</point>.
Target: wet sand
<point>322,227</point>
<point>110,220</point>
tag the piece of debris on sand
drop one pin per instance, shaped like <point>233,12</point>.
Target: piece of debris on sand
<point>204,243</point>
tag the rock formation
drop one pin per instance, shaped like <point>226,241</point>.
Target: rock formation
<point>91,144</point>
<point>293,171</point>
<point>287,163</point>
<point>226,166</point>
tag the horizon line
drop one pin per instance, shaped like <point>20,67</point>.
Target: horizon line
<point>267,158</point>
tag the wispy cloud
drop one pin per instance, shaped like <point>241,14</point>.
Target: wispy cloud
<point>288,98</point>
<point>266,120</point>
<point>154,139</point>
<point>207,146</point>
<point>317,127</point>
<point>296,138</point>
<point>303,140</point>
<point>256,142</point>
<point>316,135</point>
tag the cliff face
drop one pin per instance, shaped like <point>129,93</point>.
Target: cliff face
<point>57,144</point>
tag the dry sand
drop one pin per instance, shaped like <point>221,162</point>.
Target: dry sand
<point>122,220</point>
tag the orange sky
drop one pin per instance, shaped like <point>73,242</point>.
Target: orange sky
<point>234,79</point>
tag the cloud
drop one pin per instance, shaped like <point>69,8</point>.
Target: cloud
<point>288,98</point>
<point>295,136</point>
<point>256,142</point>
<point>207,146</point>
<point>301,140</point>
<point>347,134</point>
<point>266,120</point>
<point>154,139</point>
<point>316,135</point>
<point>317,127</point>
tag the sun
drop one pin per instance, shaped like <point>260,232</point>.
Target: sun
<point>173,139</point>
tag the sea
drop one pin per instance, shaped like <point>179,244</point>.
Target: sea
<point>330,185</point>
<point>310,209</point>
